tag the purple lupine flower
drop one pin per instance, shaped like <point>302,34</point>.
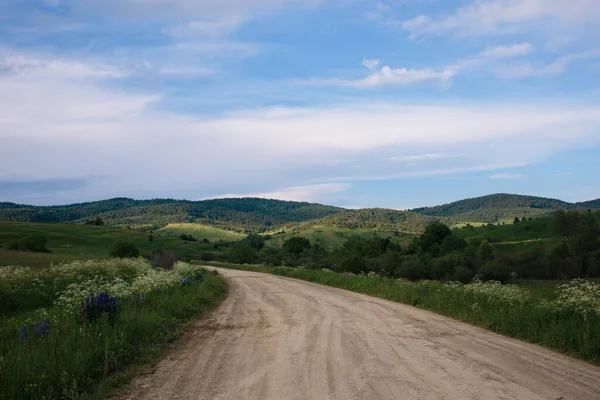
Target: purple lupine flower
<point>37,328</point>
<point>23,333</point>
<point>45,328</point>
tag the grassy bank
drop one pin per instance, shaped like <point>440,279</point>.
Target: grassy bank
<point>569,322</point>
<point>78,351</point>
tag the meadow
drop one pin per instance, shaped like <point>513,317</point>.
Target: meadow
<point>564,316</point>
<point>69,242</point>
<point>75,329</point>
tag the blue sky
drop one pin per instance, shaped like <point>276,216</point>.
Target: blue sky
<point>357,103</point>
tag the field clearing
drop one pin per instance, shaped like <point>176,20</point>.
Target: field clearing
<point>70,241</point>
<point>201,232</point>
<point>331,237</point>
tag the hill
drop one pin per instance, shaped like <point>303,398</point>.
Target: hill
<point>383,219</point>
<point>234,214</point>
<point>499,207</point>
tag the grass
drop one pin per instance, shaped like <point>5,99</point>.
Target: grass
<point>524,231</point>
<point>80,359</point>
<point>201,232</point>
<point>567,324</point>
<point>70,242</point>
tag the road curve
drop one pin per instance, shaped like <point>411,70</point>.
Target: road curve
<point>278,338</point>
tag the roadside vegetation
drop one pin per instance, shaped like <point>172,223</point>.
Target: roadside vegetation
<point>569,247</point>
<point>69,330</point>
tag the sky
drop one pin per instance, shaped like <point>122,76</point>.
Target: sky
<point>356,103</point>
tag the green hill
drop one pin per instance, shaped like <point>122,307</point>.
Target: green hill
<point>499,207</point>
<point>383,219</point>
<point>234,214</point>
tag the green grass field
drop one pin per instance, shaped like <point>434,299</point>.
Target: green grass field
<point>201,232</point>
<point>71,242</point>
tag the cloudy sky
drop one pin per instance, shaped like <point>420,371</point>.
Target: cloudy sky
<point>358,103</point>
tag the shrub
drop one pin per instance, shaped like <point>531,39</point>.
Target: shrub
<point>494,271</point>
<point>163,259</point>
<point>124,250</point>
<point>463,274</point>
<point>208,257</point>
<point>187,238</point>
<point>296,245</point>
<point>242,254</point>
<point>33,243</point>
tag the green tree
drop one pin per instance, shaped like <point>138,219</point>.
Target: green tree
<point>124,250</point>
<point>434,234</point>
<point>296,245</point>
<point>257,242</point>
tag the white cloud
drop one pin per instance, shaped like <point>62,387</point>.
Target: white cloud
<point>20,64</point>
<point>371,64</point>
<point>310,193</point>
<point>420,157</point>
<point>508,51</point>
<point>53,126</point>
<point>507,16</point>
<point>557,67</point>
<point>387,76</point>
<point>215,27</point>
<point>506,176</point>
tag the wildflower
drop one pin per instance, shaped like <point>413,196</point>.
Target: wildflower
<point>23,333</point>
<point>37,328</point>
<point>45,328</point>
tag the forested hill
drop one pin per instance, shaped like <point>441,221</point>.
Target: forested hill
<point>592,204</point>
<point>496,207</point>
<point>240,214</point>
<point>382,219</point>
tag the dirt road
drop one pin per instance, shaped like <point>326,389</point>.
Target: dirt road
<point>277,338</point>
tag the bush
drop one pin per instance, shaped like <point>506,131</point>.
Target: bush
<point>163,259</point>
<point>353,264</point>
<point>124,250</point>
<point>463,274</point>
<point>33,243</point>
<point>296,245</point>
<point>208,256</point>
<point>494,271</point>
<point>242,254</point>
<point>443,268</point>
<point>187,238</point>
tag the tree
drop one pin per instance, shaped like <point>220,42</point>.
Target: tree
<point>296,245</point>
<point>579,233</point>
<point>241,253</point>
<point>517,220</point>
<point>353,264</point>
<point>124,250</point>
<point>257,242</point>
<point>451,244</point>
<point>434,234</point>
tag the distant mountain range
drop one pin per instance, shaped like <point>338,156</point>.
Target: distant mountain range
<point>253,214</point>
